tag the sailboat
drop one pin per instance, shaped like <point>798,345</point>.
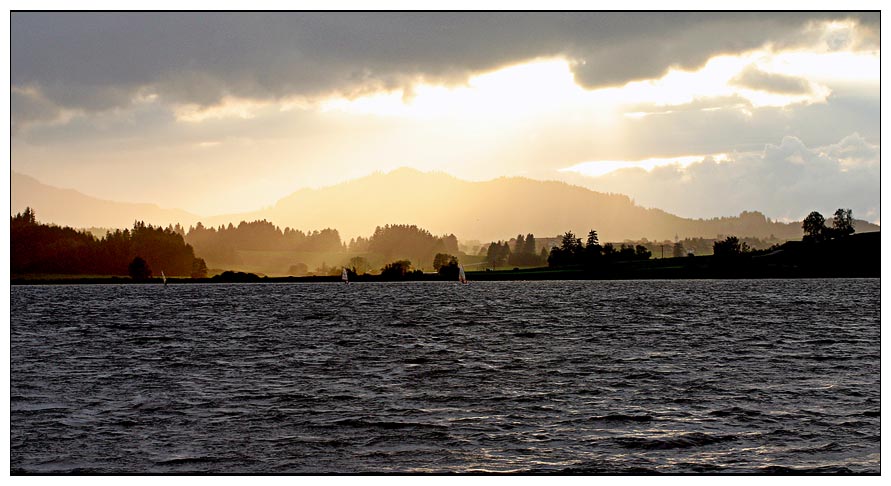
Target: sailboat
<point>461,277</point>
<point>344,276</point>
<point>164,278</point>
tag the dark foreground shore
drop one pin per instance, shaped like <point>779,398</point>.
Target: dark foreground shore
<point>858,256</point>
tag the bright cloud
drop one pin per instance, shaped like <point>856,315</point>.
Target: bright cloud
<point>786,181</point>
<point>602,167</point>
<point>532,88</point>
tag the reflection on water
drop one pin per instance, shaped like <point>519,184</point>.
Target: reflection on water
<point>594,377</point>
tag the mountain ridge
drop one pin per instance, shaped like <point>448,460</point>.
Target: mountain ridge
<point>70,207</point>
<point>498,209</point>
<point>443,204</point>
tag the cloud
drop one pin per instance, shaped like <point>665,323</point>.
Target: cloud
<point>31,106</point>
<point>754,78</point>
<point>785,181</point>
<point>853,151</point>
<point>728,124</point>
<point>98,60</point>
<point>734,102</point>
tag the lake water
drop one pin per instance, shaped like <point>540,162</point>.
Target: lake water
<point>734,376</point>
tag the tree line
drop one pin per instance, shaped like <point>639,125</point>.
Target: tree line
<point>144,249</point>
<point>403,242</point>
<point>223,243</point>
<point>572,252</point>
<point>523,253</point>
<point>815,231</point>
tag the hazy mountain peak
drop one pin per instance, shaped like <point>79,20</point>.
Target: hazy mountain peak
<point>69,207</point>
<point>494,209</point>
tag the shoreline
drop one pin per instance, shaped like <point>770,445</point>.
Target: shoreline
<point>494,276</point>
<point>858,256</point>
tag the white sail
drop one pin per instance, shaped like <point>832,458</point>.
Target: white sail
<point>344,276</point>
<point>164,278</point>
<point>461,277</point>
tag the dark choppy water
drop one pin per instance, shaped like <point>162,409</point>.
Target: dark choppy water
<point>593,377</point>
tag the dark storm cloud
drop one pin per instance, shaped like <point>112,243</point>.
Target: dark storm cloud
<point>754,78</point>
<point>94,61</point>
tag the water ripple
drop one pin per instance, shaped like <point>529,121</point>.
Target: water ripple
<point>626,377</point>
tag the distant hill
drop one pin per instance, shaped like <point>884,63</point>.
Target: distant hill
<point>439,203</point>
<point>67,207</point>
<point>497,209</point>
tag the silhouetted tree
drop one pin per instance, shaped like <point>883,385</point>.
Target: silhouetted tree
<point>443,259</point>
<point>358,245</point>
<point>520,245</point>
<point>498,253</point>
<point>642,253</point>
<point>524,253</point>
<point>530,244</point>
<point>28,216</point>
<point>814,226</point>
<point>449,270</point>
<point>729,247</point>
<point>842,223</point>
<point>626,252</point>
<point>396,270</point>
<point>569,252</point>
<point>563,254</point>
<point>570,244</point>
<point>139,269</point>
<point>557,257</point>
<point>592,239</point>
<point>593,250</point>
<point>450,243</point>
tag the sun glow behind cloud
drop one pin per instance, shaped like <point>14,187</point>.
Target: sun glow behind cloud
<point>597,168</point>
<point>229,108</point>
<point>545,90</point>
<point>490,108</point>
<point>548,86</point>
<point>522,90</point>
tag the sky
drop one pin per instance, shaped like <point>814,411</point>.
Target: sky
<point>700,114</point>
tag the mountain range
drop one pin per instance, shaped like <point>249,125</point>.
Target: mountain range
<point>68,207</point>
<point>485,211</point>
